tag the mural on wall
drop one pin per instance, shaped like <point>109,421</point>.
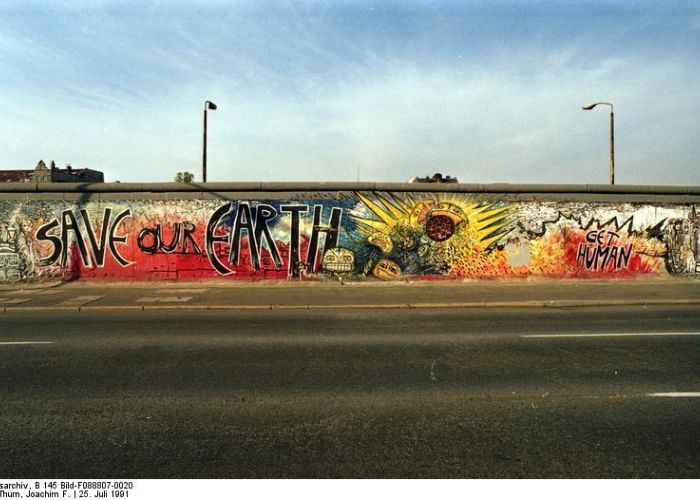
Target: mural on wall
<point>374,236</point>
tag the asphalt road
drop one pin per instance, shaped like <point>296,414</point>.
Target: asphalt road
<point>351,393</point>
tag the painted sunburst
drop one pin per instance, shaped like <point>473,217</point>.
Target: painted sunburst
<point>446,230</point>
<point>437,215</point>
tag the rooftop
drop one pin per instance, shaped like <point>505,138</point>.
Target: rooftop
<point>42,173</point>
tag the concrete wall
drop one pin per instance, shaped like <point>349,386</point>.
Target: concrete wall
<point>257,231</point>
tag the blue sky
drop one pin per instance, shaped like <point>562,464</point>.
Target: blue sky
<point>325,91</point>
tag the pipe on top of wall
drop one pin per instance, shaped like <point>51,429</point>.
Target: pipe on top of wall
<point>176,187</point>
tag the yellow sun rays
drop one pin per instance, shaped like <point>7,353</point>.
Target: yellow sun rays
<point>487,220</point>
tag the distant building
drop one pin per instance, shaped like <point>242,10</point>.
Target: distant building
<point>42,173</point>
<point>436,178</point>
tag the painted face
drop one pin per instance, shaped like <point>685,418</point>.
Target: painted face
<point>339,260</point>
<point>450,210</point>
<point>420,210</point>
<point>382,241</point>
<point>386,270</point>
<point>443,220</point>
<point>439,228</point>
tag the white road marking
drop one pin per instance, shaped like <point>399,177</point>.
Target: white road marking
<point>163,299</point>
<point>674,394</point>
<point>14,301</point>
<point>182,290</point>
<point>579,335</point>
<point>24,343</point>
<point>80,300</point>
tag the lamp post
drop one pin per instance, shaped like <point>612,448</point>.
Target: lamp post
<point>207,106</point>
<point>589,107</point>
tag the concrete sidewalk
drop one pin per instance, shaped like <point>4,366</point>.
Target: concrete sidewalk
<point>313,295</point>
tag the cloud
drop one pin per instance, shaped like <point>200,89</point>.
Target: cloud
<point>317,91</point>
<point>482,126</point>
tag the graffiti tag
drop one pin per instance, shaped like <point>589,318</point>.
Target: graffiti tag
<point>603,251</point>
<point>68,225</point>
<point>150,239</point>
<point>256,224</point>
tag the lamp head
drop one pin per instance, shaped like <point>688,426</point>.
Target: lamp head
<point>210,105</point>
<point>589,107</point>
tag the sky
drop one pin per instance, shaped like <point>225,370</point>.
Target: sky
<point>381,91</point>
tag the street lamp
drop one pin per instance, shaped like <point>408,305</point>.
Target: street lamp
<point>207,106</point>
<point>589,107</point>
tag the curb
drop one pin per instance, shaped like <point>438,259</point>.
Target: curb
<point>553,304</point>
<point>284,284</point>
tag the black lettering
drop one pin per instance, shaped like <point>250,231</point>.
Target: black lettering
<point>601,256</point>
<point>624,259</point>
<point>243,221</point>
<point>210,238</point>
<point>98,249</point>
<point>175,239</point>
<point>611,259</point>
<point>69,223</point>
<point>581,255</point>
<point>331,231</point>
<point>113,240</point>
<point>188,229</point>
<point>264,214</point>
<point>294,210</point>
<point>144,234</point>
<point>42,234</point>
<point>591,258</point>
<point>612,238</point>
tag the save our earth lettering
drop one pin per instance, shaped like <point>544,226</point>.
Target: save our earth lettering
<point>225,231</point>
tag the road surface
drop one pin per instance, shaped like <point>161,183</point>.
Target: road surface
<point>464,393</point>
